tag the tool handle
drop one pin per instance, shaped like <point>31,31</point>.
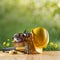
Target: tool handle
<point>8,49</point>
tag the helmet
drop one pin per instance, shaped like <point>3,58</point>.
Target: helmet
<point>40,38</point>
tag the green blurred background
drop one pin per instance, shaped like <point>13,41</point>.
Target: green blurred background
<point>18,15</point>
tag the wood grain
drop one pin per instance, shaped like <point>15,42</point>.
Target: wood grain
<point>46,55</point>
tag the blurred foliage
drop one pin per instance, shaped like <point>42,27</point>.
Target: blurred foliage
<point>18,15</point>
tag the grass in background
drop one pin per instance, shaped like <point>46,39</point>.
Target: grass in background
<point>15,16</point>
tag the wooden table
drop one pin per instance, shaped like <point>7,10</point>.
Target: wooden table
<point>46,55</point>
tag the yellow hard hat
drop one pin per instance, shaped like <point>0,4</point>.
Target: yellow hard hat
<point>40,38</point>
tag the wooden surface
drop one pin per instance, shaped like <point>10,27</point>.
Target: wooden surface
<point>46,55</point>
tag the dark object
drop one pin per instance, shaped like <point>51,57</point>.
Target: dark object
<point>18,37</point>
<point>27,48</point>
<point>8,49</point>
<point>23,39</point>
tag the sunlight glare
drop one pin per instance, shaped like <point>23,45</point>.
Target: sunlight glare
<point>24,2</point>
<point>58,4</point>
<point>37,3</point>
